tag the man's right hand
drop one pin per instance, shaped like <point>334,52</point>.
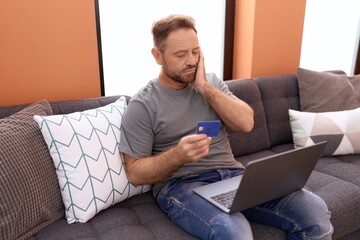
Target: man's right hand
<point>153,169</point>
<point>191,148</point>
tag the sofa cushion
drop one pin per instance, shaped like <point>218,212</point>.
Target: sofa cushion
<point>340,129</point>
<point>342,198</point>
<point>29,191</point>
<point>79,105</point>
<point>327,91</point>
<point>6,111</point>
<point>344,167</point>
<point>257,139</point>
<point>279,93</point>
<point>137,218</point>
<point>89,166</point>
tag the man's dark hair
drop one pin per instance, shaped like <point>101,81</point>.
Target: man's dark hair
<point>162,28</point>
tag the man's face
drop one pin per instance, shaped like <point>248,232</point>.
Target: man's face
<point>181,55</point>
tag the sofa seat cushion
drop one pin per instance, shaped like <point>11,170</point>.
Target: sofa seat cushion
<point>138,217</point>
<point>267,232</point>
<point>352,236</point>
<point>342,198</point>
<point>345,167</point>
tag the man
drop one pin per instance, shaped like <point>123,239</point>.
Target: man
<point>160,147</point>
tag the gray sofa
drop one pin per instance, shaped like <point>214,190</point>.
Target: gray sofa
<point>335,179</point>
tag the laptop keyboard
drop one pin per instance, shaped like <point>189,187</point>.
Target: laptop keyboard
<point>226,199</point>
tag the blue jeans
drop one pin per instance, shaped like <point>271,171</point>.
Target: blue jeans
<point>302,214</point>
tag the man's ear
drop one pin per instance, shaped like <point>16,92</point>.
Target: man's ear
<point>157,55</point>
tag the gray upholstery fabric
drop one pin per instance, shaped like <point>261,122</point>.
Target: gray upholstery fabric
<point>334,166</point>
<point>352,236</point>
<point>6,111</point>
<point>279,93</point>
<point>258,138</point>
<point>136,218</point>
<point>79,105</point>
<point>342,198</point>
<point>64,107</point>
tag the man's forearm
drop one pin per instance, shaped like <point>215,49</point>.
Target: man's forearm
<point>153,169</point>
<point>156,168</point>
<point>235,113</point>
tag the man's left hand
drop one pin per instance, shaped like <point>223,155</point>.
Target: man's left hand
<point>200,77</point>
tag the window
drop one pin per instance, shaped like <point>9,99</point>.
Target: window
<point>331,35</point>
<point>126,40</point>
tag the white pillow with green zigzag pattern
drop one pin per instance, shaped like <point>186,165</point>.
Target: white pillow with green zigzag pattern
<point>341,130</point>
<point>89,166</point>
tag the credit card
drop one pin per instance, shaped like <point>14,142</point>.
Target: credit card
<point>210,128</point>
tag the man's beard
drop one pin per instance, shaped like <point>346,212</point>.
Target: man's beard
<point>180,78</point>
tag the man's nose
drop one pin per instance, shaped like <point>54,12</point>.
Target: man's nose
<point>191,59</point>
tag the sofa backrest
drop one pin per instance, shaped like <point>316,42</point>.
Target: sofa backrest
<point>65,106</point>
<point>69,106</point>
<point>258,139</point>
<point>6,111</point>
<point>270,97</point>
<point>279,94</point>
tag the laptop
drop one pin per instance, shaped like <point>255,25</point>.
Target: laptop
<point>264,179</point>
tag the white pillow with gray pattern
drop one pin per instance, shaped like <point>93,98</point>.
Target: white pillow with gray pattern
<point>341,129</point>
<point>89,166</point>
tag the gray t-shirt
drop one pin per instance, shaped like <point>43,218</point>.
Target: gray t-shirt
<point>158,117</point>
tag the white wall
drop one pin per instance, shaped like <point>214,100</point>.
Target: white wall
<point>331,35</point>
<point>127,41</point>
